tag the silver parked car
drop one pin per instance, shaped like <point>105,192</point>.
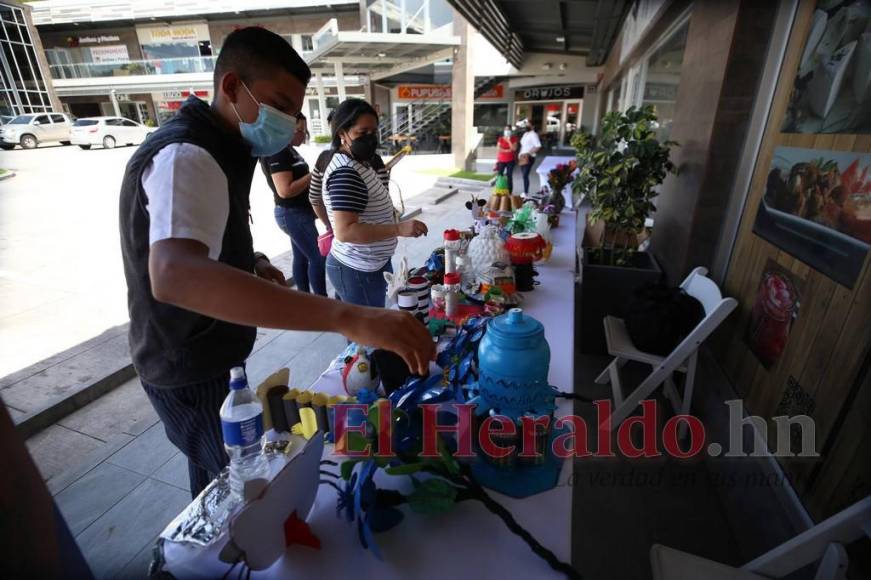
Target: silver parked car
<point>108,132</point>
<point>31,130</point>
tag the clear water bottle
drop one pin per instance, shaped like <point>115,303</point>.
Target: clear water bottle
<point>242,425</point>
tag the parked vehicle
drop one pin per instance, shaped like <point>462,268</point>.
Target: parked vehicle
<point>31,130</point>
<point>108,132</point>
<point>6,118</point>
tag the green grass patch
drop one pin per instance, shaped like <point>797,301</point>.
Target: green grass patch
<point>4,172</point>
<point>454,172</point>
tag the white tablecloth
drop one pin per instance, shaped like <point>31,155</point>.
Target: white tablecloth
<point>550,162</point>
<point>468,541</point>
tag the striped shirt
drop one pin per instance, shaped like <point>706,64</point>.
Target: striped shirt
<point>315,188</point>
<point>354,187</point>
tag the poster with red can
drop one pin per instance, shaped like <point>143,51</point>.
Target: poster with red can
<point>775,310</point>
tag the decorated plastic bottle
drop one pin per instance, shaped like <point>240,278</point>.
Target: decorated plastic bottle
<point>452,293</point>
<point>242,426</point>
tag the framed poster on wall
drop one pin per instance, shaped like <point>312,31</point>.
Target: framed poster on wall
<point>832,89</point>
<point>775,309</point>
<point>817,207</point>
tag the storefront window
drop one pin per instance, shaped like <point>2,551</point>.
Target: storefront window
<point>491,119</point>
<point>663,78</point>
<point>24,88</point>
<point>573,116</point>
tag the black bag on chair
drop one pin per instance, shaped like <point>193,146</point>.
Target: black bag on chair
<point>658,317</point>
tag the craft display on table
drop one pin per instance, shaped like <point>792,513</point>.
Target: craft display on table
<point>513,362</point>
<point>452,248</point>
<point>497,362</point>
<point>524,249</point>
<point>500,200</point>
<point>439,483</point>
<point>486,248</point>
<point>359,373</point>
<point>542,227</point>
<point>479,218</point>
<point>396,281</point>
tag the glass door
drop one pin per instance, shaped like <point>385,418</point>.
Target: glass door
<point>572,119</point>
<point>551,125</point>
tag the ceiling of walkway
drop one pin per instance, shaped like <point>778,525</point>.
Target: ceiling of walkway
<point>576,27</point>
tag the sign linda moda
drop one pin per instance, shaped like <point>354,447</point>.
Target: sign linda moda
<point>549,93</point>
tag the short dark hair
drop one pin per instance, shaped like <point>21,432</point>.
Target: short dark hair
<point>345,116</point>
<point>254,53</point>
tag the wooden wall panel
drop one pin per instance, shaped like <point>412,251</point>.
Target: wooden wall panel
<point>829,341</point>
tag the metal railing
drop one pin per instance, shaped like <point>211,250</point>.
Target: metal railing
<point>154,66</point>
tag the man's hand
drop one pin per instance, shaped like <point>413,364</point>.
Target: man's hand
<point>264,269</point>
<point>411,229</point>
<point>392,330</point>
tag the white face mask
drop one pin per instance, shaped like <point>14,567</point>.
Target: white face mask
<point>507,133</point>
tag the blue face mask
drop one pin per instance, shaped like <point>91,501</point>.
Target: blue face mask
<point>270,132</point>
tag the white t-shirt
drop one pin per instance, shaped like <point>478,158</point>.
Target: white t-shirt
<point>188,196</point>
<point>528,142</point>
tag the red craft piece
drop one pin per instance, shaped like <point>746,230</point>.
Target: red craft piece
<point>525,248</point>
<point>297,531</point>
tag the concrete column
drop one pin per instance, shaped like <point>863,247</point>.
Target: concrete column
<point>340,80</point>
<point>114,98</point>
<point>368,92</point>
<point>462,96</point>
<point>322,103</point>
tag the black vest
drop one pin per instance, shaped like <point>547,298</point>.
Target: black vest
<point>171,346</point>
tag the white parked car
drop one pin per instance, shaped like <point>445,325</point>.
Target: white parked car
<point>33,129</point>
<point>108,132</point>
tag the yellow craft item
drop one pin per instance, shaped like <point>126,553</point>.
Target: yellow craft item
<point>279,377</point>
<point>304,399</point>
<point>291,395</point>
<point>308,424</point>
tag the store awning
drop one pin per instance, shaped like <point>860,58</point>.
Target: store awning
<point>377,54</point>
<point>574,27</point>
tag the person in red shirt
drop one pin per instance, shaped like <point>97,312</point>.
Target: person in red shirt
<point>506,156</point>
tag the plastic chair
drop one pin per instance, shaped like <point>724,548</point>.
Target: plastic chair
<point>682,359</point>
<point>825,542</point>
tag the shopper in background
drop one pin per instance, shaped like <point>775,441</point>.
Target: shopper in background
<point>288,176</point>
<point>360,209</point>
<point>506,156</point>
<point>530,145</point>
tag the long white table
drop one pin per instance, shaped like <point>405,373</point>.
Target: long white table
<point>468,541</point>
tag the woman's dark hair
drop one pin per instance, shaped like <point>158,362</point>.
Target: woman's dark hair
<point>346,116</point>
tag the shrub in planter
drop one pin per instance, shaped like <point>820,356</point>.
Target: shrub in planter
<point>322,139</point>
<point>620,170</point>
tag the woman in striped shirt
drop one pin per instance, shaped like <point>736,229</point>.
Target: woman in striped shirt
<point>360,209</point>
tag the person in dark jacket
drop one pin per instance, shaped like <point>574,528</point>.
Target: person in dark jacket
<point>196,290</point>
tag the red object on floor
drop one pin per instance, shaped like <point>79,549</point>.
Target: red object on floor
<point>297,531</point>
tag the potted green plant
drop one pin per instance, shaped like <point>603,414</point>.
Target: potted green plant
<point>620,172</point>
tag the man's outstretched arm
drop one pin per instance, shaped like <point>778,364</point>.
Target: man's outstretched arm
<point>182,274</point>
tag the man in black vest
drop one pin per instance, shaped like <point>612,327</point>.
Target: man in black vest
<point>192,292</point>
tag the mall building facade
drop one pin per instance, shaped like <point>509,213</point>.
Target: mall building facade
<point>409,57</point>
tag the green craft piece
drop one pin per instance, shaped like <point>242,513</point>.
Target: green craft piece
<point>522,220</point>
<point>450,463</point>
<point>405,469</point>
<point>433,497</point>
<point>501,185</point>
<point>346,468</point>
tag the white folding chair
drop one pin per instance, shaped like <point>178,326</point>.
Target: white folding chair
<point>825,542</point>
<point>682,359</point>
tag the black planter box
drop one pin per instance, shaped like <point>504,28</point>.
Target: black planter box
<point>606,290</point>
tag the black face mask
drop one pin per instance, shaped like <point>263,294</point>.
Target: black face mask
<point>363,147</point>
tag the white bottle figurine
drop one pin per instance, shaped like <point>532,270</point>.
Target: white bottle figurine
<point>242,426</point>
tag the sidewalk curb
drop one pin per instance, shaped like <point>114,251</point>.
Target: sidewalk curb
<point>446,195</point>
<point>460,183</point>
<point>35,422</point>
